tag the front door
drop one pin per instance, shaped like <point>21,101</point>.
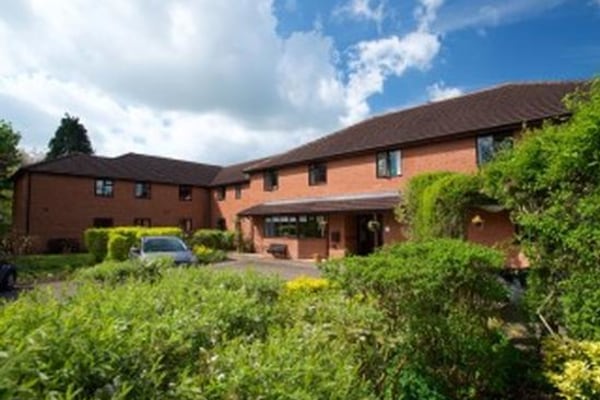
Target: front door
<point>368,239</point>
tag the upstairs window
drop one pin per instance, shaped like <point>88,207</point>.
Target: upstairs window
<point>489,145</point>
<point>103,223</point>
<point>317,174</point>
<point>238,191</point>
<point>389,164</point>
<point>221,193</point>
<point>104,187</point>
<point>271,181</point>
<point>146,222</point>
<point>142,190</point>
<point>185,193</point>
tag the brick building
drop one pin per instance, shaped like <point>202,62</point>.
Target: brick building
<point>319,198</point>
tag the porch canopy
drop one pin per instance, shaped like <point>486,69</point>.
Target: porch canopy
<point>379,201</point>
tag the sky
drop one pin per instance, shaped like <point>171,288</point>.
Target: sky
<point>227,81</point>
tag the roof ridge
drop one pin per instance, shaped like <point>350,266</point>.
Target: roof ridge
<point>165,159</point>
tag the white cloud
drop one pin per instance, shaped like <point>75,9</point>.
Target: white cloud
<point>363,10</point>
<point>426,12</point>
<point>484,13</point>
<point>439,91</point>
<point>198,79</point>
<point>374,61</point>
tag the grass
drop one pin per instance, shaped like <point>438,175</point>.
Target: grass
<point>49,267</point>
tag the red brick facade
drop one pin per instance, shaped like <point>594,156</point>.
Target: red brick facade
<point>51,206</point>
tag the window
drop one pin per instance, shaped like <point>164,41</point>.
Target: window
<point>186,224</point>
<point>299,226</point>
<point>489,145</point>
<point>142,190</point>
<point>221,193</point>
<point>389,164</point>
<point>271,181</point>
<point>317,174</point>
<point>104,187</point>
<point>238,191</point>
<point>185,193</point>
<point>222,224</point>
<point>142,222</point>
<point>103,222</point>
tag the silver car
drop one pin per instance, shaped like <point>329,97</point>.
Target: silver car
<point>153,247</point>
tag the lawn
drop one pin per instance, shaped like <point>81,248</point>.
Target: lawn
<point>49,267</point>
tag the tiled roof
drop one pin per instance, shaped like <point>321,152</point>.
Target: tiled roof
<point>234,173</point>
<point>357,202</point>
<point>501,107</point>
<point>130,166</point>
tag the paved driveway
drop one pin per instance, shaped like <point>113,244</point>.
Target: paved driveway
<point>286,269</point>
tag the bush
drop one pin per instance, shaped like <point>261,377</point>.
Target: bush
<point>573,367</point>
<point>207,255</point>
<point>192,333</point>
<point>48,267</point>
<point>214,239</point>
<point>62,245</point>
<point>439,296</point>
<point>436,204</point>
<point>306,284</point>
<point>112,272</point>
<point>118,247</point>
<point>96,239</point>
<point>581,306</point>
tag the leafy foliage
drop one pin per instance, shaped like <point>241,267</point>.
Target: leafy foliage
<point>98,240</point>
<point>191,333</point>
<point>114,272</point>
<point>574,367</point>
<point>70,137</point>
<point>436,203</point>
<point>438,296</point>
<point>10,159</point>
<point>47,267</point>
<point>214,239</point>
<point>207,255</point>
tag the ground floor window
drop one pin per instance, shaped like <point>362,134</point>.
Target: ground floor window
<point>103,223</point>
<point>142,222</point>
<point>186,224</point>
<point>298,226</point>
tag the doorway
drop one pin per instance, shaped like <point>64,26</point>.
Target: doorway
<point>368,240</point>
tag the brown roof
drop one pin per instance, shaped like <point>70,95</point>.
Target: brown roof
<point>234,173</point>
<point>130,166</point>
<point>502,107</point>
<point>357,202</point>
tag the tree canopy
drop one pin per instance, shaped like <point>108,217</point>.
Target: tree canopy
<point>70,137</point>
<point>10,159</point>
<point>551,181</point>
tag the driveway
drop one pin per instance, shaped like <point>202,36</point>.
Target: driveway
<point>286,269</point>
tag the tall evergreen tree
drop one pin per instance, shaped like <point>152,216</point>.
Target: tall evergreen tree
<point>10,159</point>
<point>70,137</point>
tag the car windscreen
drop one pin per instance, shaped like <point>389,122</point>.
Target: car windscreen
<point>163,245</point>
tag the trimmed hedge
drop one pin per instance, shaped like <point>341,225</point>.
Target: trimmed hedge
<point>214,239</point>
<point>207,255</point>
<point>97,240</point>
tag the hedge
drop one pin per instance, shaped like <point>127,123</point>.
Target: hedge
<point>97,240</point>
<point>214,239</point>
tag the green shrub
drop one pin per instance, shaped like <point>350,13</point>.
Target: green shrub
<point>192,333</point>
<point>214,239</point>
<point>439,296</point>
<point>573,367</point>
<point>207,255</point>
<point>97,239</point>
<point>118,247</point>
<point>580,303</point>
<point>48,267</point>
<point>114,272</point>
<point>436,203</point>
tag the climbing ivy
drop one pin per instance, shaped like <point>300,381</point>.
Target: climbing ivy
<point>435,204</point>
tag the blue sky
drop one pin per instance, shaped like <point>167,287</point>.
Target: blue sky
<point>231,80</point>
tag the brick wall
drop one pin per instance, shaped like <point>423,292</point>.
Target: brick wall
<point>64,206</point>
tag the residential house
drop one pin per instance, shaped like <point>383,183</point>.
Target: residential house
<point>332,196</point>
